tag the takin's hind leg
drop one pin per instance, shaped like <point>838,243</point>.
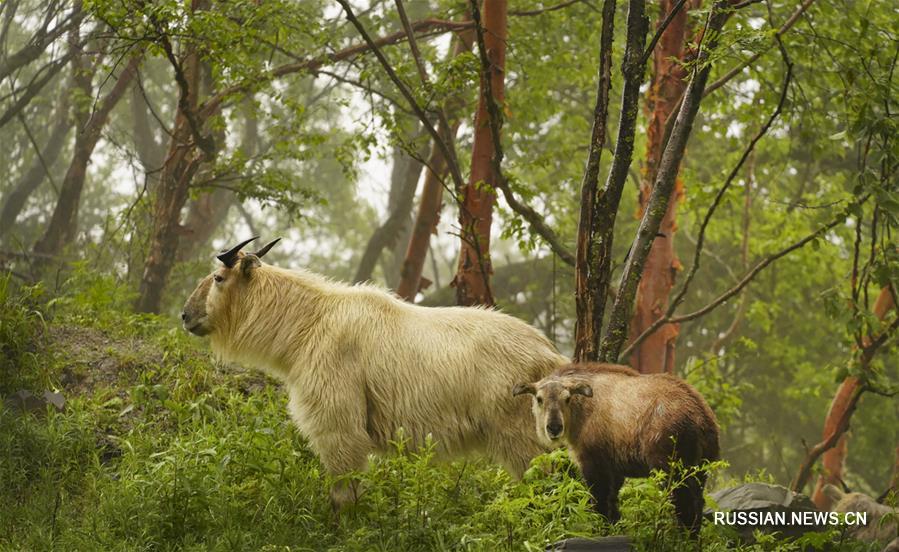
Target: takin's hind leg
<point>513,452</point>
<point>688,503</point>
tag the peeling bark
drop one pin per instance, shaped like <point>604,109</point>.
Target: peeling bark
<point>841,406</point>
<point>656,353</point>
<point>472,280</point>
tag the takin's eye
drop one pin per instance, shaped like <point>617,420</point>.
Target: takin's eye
<point>539,400</point>
<point>218,278</point>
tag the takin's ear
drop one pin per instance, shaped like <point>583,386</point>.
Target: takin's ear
<point>581,389</point>
<point>522,388</point>
<point>248,262</point>
<point>833,493</point>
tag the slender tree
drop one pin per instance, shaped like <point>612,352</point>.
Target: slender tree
<point>64,222</point>
<point>431,198</point>
<point>844,402</point>
<point>189,147</point>
<point>472,280</point>
<point>41,169</point>
<point>656,353</point>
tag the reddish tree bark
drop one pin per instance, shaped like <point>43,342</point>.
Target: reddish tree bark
<point>472,281</point>
<point>844,400</point>
<point>656,353</point>
<point>187,151</point>
<point>64,221</point>
<point>426,219</point>
<point>428,214</point>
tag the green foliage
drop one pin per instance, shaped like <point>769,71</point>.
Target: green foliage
<point>21,330</point>
<point>175,453</point>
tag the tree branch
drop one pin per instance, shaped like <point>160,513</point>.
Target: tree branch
<point>669,165</point>
<point>495,120</point>
<point>700,240</point>
<point>586,326</point>
<point>407,94</point>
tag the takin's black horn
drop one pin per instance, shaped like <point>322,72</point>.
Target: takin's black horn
<point>264,249</point>
<point>229,258</point>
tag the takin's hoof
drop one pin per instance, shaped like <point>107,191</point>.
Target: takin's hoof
<point>344,494</point>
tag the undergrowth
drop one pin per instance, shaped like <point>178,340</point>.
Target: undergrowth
<point>174,452</point>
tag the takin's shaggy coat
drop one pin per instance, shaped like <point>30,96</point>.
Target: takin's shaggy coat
<point>882,521</point>
<point>359,364</point>
<point>618,423</point>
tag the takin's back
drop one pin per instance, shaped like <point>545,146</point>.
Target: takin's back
<point>447,371</point>
<point>646,416</point>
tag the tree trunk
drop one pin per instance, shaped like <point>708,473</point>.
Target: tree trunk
<point>403,183</point>
<point>40,169</point>
<point>426,219</point>
<point>408,168</point>
<point>588,326</point>
<point>182,162</point>
<point>619,318</point>
<point>834,458</point>
<point>64,223</point>
<point>656,353</point>
<point>472,280</point>
<point>210,208</point>
<point>428,214</point>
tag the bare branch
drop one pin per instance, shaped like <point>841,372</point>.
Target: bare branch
<point>616,332</point>
<point>700,240</point>
<point>407,94</point>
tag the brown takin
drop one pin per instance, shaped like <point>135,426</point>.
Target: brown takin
<point>882,522</point>
<point>359,364</point>
<point>618,423</point>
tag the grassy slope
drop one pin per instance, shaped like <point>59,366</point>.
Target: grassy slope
<point>158,448</point>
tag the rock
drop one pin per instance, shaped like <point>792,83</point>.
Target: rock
<point>56,399</point>
<point>754,500</point>
<point>606,544</point>
<point>26,401</point>
<point>893,546</point>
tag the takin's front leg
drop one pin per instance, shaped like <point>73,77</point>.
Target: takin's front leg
<point>603,488</point>
<point>339,439</point>
<point>342,453</point>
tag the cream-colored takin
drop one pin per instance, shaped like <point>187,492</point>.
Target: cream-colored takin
<point>882,521</point>
<point>359,364</point>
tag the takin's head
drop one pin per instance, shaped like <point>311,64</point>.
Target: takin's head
<point>552,403</point>
<point>209,300</point>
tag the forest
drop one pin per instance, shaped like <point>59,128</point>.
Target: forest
<point>702,188</point>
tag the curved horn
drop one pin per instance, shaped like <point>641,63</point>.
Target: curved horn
<point>264,249</point>
<point>229,258</point>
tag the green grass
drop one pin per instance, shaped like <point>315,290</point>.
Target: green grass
<point>159,449</point>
